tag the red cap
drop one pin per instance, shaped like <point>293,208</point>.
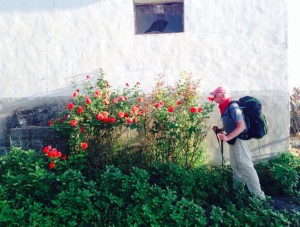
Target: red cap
<point>220,90</point>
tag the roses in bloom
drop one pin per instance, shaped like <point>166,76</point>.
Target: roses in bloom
<point>122,98</point>
<point>70,106</point>
<point>99,117</point>
<point>51,165</point>
<point>80,110</point>
<point>105,101</point>
<point>98,93</point>
<point>112,119</point>
<point>84,145</point>
<point>88,101</point>
<point>73,123</point>
<point>159,104</point>
<point>193,109</point>
<point>50,123</point>
<point>53,154</point>
<point>140,99</point>
<point>211,99</point>
<point>129,120</point>
<point>120,114</point>
<point>171,109</point>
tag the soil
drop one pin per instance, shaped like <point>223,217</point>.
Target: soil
<point>284,203</point>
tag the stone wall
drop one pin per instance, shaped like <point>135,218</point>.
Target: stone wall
<point>24,123</point>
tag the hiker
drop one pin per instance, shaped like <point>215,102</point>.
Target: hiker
<point>233,125</point>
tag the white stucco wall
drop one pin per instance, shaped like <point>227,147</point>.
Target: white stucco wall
<point>241,44</point>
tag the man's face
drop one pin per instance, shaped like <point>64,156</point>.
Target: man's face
<point>219,98</point>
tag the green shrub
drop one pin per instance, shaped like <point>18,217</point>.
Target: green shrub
<point>161,195</point>
<point>75,201</point>
<point>26,175</point>
<point>212,186</point>
<point>174,177</point>
<point>280,175</point>
<point>253,212</point>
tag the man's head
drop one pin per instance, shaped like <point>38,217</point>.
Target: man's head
<point>220,94</point>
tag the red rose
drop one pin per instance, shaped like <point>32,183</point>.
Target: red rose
<point>50,123</point>
<point>73,123</point>
<point>105,114</point>
<point>99,117</point>
<point>54,152</point>
<point>193,109</point>
<point>84,145</point>
<point>122,98</point>
<point>178,103</point>
<point>171,109</point>
<point>200,109</point>
<point>88,101</point>
<point>64,157</point>
<point>140,99</point>
<point>120,114</point>
<point>129,120</point>
<point>51,165</point>
<point>135,120</point>
<point>112,119</point>
<point>211,99</point>
<point>81,129</point>
<point>105,101</point>
<point>46,149</point>
<point>98,93</point>
<point>80,110</point>
<point>70,106</point>
<point>88,76</point>
<point>135,109</point>
<point>105,120</point>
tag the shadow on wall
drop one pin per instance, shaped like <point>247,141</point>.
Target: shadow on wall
<point>29,5</point>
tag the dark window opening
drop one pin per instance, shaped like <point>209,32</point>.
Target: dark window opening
<point>159,18</point>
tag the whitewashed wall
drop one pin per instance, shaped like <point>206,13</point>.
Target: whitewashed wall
<point>242,44</point>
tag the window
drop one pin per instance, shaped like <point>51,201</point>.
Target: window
<point>158,16</point>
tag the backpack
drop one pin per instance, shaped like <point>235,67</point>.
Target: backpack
<point>254,118</point>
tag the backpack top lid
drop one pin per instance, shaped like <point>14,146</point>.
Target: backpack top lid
<point>254,118</point>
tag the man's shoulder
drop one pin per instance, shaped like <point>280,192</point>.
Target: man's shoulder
<point>234,104</point>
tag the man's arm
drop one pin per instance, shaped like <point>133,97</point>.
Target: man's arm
<point>240,127</point>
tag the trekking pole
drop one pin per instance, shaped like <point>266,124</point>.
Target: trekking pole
<point>220,142</point>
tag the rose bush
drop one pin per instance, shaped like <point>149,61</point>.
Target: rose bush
<point>114,126</point>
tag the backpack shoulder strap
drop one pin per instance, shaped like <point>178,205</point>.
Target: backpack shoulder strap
<point>230,108</point>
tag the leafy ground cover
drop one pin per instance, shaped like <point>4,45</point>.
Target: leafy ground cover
<point>163,194</point>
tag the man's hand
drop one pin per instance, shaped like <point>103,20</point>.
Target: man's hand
<point>216,129</point>
<point>222,137</point>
